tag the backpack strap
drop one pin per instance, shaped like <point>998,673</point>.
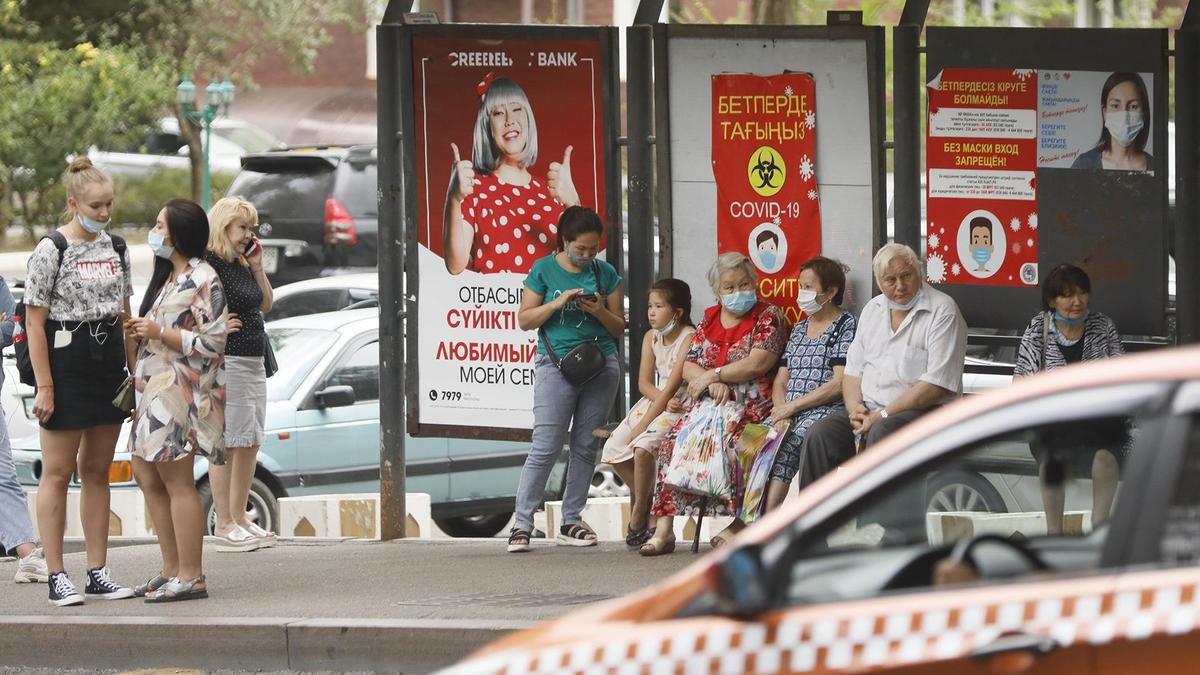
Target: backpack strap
<point>60,243</point>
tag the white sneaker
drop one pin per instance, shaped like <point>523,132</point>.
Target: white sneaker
<point>32,568</point>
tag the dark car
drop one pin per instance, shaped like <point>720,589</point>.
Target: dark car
<point>317,209</point>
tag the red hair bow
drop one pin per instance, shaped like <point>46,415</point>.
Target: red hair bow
<point>482,87</point>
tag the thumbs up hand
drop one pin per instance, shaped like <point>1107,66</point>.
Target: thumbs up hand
<point>465,172</point>
<point>562,188</point>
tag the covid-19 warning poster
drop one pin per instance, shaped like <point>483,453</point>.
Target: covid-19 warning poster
<point>764,161</point>
<point>508,134</point>
<point>982,164</point>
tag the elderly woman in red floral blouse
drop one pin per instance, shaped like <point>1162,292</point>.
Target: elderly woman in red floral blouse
<point>733,357</point>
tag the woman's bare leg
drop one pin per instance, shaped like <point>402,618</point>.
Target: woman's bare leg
<point>60,451</point>
<point>96,449</point>
<point>158,503</point>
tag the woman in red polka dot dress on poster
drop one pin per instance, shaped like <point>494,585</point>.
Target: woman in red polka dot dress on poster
<point>499,217</point>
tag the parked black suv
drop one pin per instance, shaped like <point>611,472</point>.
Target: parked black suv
<point>317,209</point>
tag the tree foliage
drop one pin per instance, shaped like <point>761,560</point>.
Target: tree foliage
<point>56,102</point>
<point>200,38</point>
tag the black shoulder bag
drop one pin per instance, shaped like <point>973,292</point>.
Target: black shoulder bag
<point>585,361</point>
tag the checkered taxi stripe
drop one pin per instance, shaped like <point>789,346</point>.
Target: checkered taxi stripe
<point>856,642</point>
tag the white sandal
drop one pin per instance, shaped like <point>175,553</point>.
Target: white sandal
<point>238,539</point>
<point>266,538</point>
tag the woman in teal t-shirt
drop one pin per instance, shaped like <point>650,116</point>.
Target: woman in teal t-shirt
<point>562,297</point>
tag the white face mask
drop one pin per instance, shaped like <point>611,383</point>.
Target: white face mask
<point>666,330</point>
<point>1123,125</point>
<point>806,300</point>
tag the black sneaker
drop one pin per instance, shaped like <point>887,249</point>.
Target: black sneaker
<point>101,585</point>
<point>62,591</point>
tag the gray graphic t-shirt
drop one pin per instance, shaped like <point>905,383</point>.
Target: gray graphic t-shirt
<point>90,284</point>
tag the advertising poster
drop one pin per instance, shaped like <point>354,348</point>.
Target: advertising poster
<point>508,133</point>
<point>764,161</point>
<point>982,163</point>
<point>1095,120</point>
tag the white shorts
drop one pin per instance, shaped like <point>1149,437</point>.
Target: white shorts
<point>245,401</point>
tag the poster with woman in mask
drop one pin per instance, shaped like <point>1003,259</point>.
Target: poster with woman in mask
<point>1095,120</point>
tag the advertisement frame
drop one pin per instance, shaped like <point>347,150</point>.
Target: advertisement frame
<point>873,38</point>
<point>1142,309</point>
<point>610,107</point>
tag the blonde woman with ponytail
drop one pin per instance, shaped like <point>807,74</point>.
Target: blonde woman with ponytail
<point>76,296</point>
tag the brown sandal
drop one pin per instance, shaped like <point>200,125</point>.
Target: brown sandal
<point>655,546</point>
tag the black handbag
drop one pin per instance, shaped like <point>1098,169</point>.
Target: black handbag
<point>270,365</point>
<point>584,361</point>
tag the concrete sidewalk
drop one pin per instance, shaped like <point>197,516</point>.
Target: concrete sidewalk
<point>407,606</point>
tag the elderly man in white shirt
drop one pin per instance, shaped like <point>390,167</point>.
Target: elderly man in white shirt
<point>906,358</point>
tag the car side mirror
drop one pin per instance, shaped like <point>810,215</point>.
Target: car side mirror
<point>743,587</point>
<point>337,396</point>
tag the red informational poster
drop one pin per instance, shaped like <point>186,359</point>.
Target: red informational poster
<point>764,160</point>
<point>508,134</point>
<point>982,162</point>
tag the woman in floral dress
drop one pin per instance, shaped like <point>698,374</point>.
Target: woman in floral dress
<point>181,394</point>
<point>733,356</point>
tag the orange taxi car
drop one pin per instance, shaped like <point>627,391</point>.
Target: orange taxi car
<point>847,576</point>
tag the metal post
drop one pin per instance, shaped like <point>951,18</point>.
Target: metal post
<point>906,102</point>
<point>392,43</point>
<point>209,116</point>
<point>1187,177</point>
<point>639,89</point>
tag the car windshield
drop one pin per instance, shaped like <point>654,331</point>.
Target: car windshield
<point>359,189</point>
<point>297,350</point>
<point>1044,489</point>
<point>291,190</point>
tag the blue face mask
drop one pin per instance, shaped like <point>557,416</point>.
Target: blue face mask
<point>981,254</point>
<point>93,226</point>
<point>158,245</point>
<point>1070,322</point>
<point>740,302</point>
<point>768,259</point>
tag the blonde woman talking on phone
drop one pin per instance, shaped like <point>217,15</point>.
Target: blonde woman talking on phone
<point>235,253</point>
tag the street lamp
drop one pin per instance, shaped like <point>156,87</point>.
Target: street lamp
<point>218,97</point>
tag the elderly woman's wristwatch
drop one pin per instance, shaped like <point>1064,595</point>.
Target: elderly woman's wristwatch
<point>717,370</point>
<point>883,413</point>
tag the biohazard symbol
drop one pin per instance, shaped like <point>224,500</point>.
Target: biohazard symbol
<point>766,171</point>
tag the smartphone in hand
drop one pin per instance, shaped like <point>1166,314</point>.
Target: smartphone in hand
<point>252,246</point>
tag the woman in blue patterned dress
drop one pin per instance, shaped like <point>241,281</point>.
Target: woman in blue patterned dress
<point>808,385</point>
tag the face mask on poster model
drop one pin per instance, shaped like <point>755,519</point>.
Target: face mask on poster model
<point>768,259</point>
<point>740,302</point>
<point>806,300</point>
<point>981,254</point>
<point>158,245</point>
<point>92,226</point>
<point>1123,125</point>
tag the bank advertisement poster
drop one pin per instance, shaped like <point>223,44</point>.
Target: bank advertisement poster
<point>508,134</point>
<point>764,132</point>
<point>982,186</point>
<point>1095,120</point>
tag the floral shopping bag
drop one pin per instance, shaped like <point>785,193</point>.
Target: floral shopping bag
<point>758,475</point>
<point>702,462</point>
